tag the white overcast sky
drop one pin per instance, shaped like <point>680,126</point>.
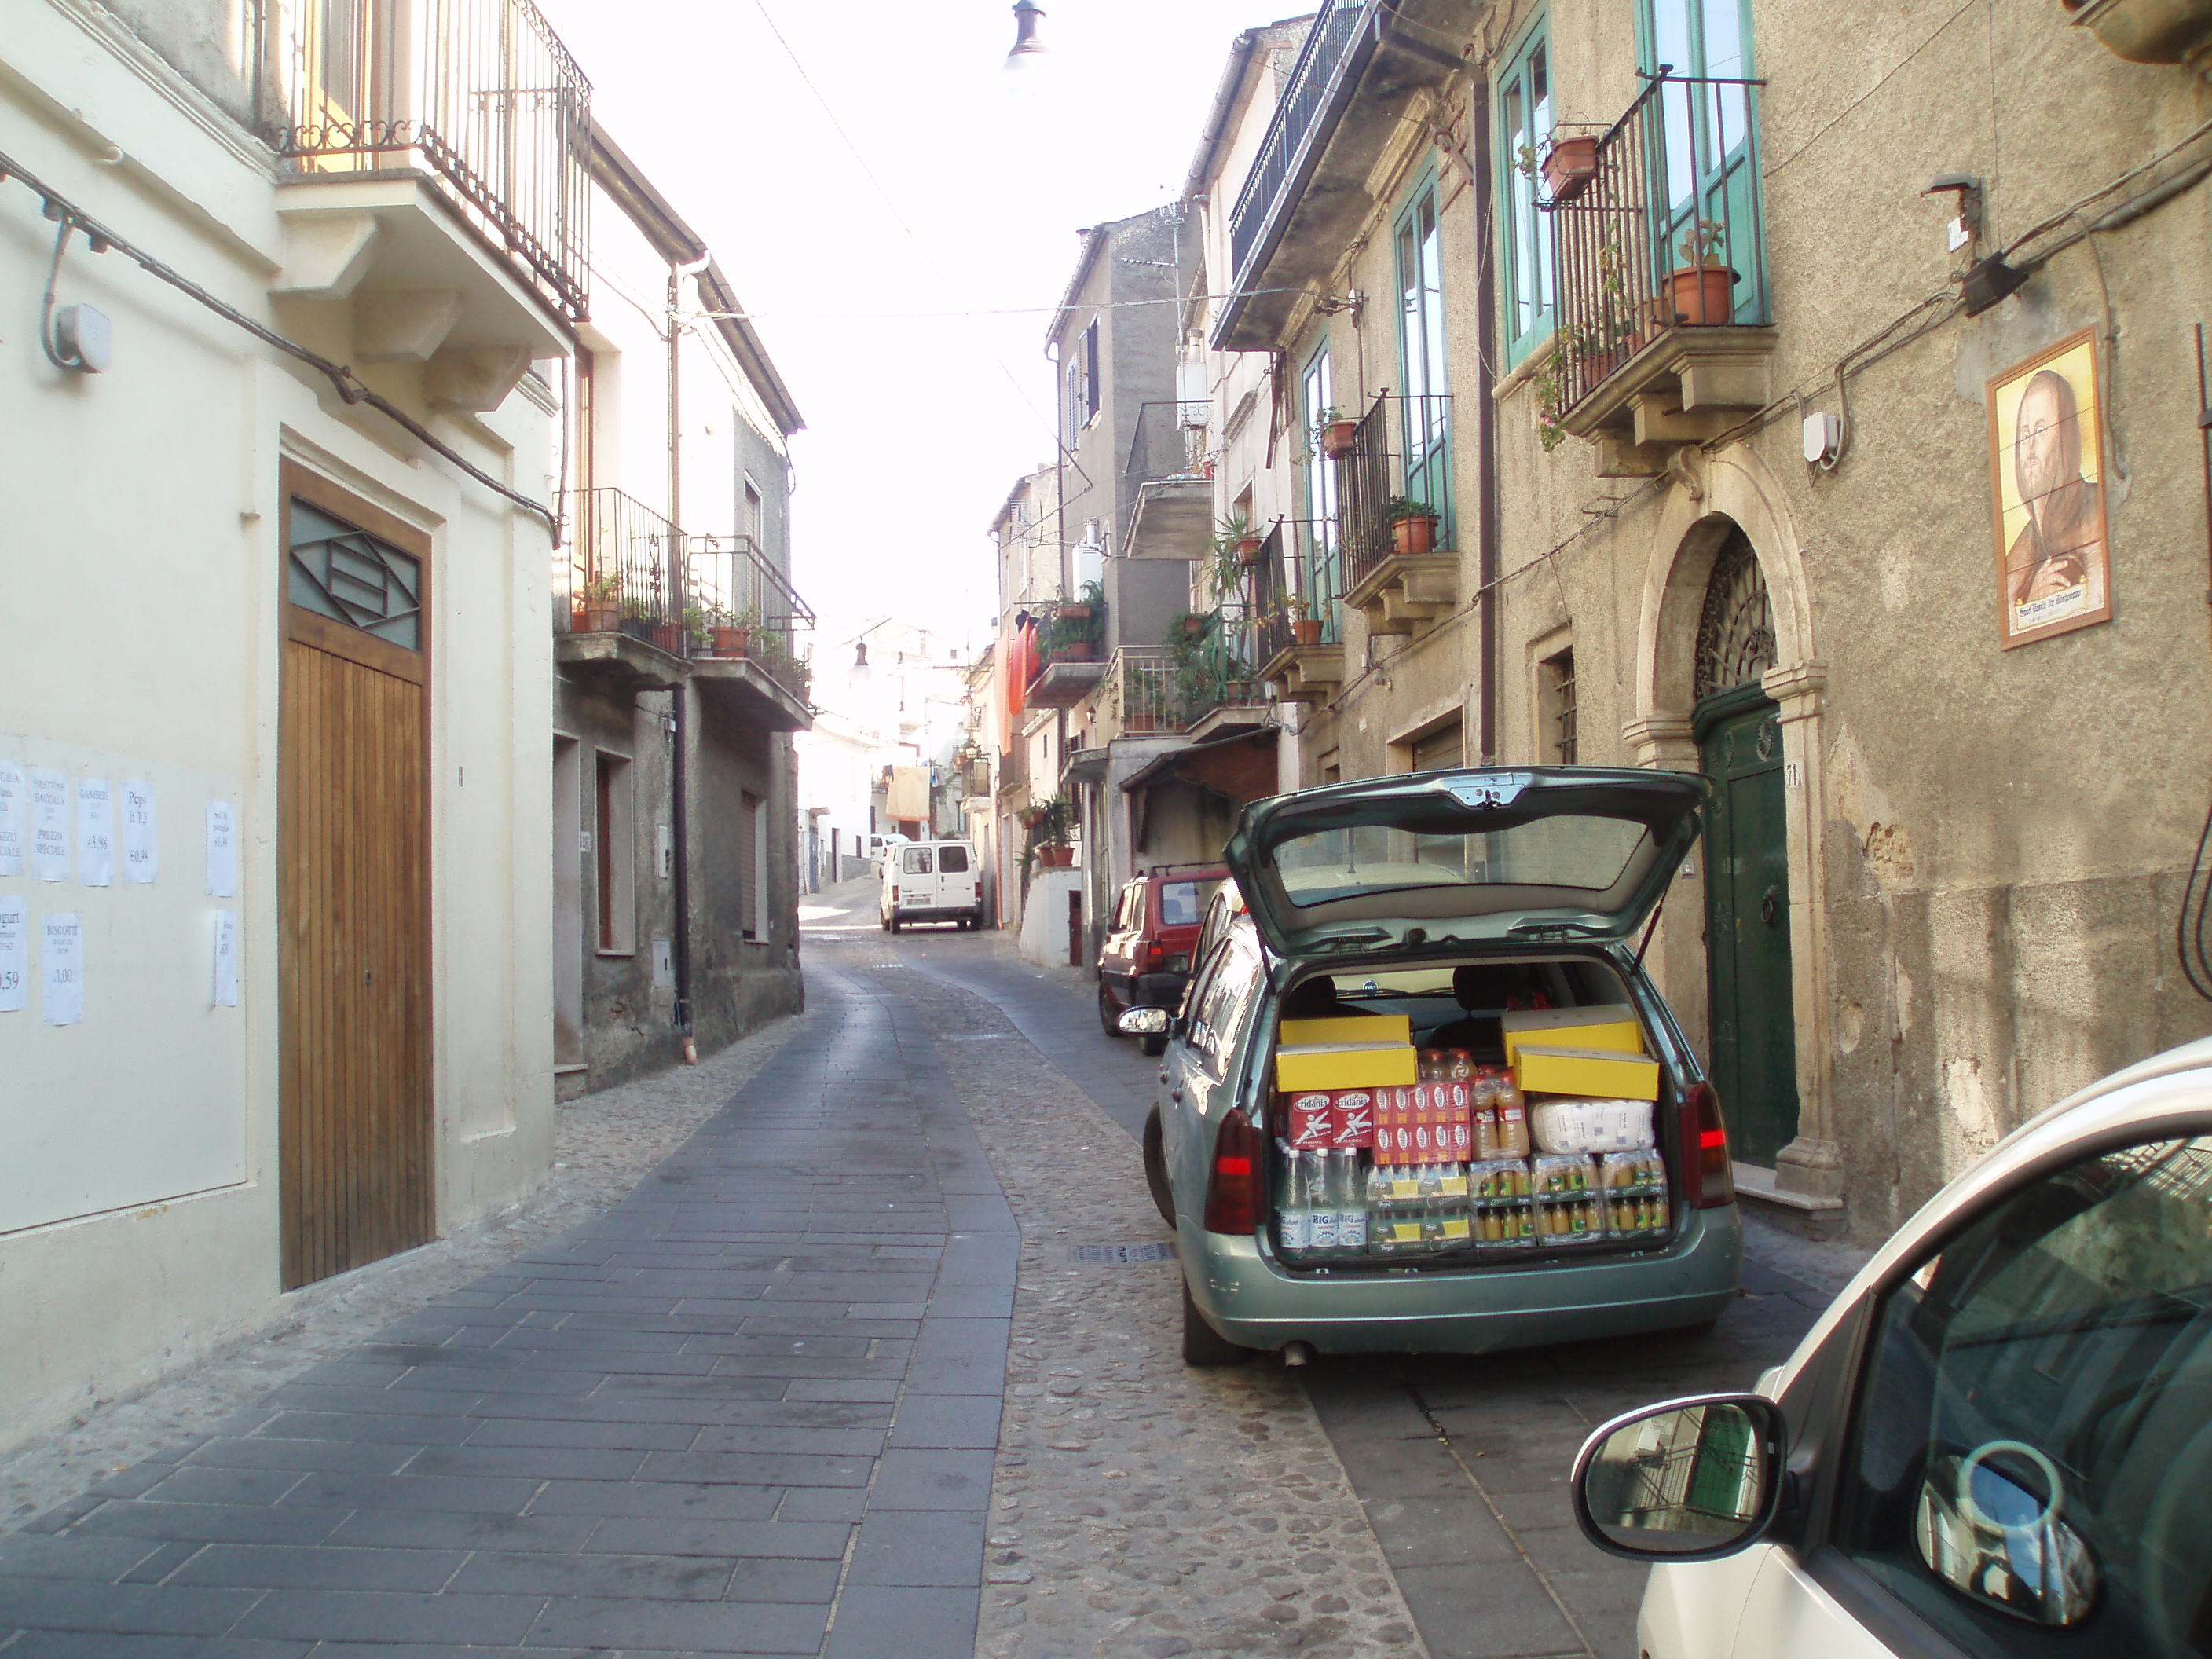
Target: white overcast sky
<point>917,425</point>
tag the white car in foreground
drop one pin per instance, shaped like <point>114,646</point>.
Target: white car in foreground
<point>1995,1444</point>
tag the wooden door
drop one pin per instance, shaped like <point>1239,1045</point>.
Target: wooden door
<point>1754,1041</point>
<point>354,1132</point>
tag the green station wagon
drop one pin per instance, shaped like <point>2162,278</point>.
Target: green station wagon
<point>1452,898</point>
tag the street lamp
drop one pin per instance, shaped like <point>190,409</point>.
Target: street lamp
<point>1027,47</point>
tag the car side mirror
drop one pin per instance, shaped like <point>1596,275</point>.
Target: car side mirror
<point>1144,1021</point>
<point>1689,1480</point>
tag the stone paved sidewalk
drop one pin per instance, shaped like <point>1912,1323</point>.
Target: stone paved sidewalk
<point>1140,1507</point>
<point>737,1412</point>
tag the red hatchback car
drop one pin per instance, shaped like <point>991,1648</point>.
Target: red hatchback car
<point>1146,960</point>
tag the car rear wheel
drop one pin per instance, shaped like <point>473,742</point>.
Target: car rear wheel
<point>895,924</point>
<point>1109,1012</point>
<point>1156,1167</point>
<point>1201,1344</point>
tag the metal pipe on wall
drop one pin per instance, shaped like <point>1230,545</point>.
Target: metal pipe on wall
<point>1485,420</point>
<point>681,696</point>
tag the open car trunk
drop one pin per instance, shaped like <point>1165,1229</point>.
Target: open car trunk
<point>1402,1138</point>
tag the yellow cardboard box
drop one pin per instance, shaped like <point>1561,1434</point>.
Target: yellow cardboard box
<point>1611,1026</point>
<point>1359,1028</point>
<point>1346,1064</point>
<point>1591,1072</point>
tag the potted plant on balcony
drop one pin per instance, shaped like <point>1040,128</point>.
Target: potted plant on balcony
<point>1570,165</point>
<point>598,607</point>
<point>1305,627</point>
<point>1700,292</point>
<point>1413,526</point>
<point>698,633</point>
<point>1188,625</point>
<point>637,619</point>
<point>732,630</point>
<point>1339,436</point>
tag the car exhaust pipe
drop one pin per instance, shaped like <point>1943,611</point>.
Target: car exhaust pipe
<point>1296,1353</point>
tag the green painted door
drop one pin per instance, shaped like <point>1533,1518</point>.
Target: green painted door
<point>1754,1043</point>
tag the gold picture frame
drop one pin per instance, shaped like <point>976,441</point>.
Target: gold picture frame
<point>2046,482</point>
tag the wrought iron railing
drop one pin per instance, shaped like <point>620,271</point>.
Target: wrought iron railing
<point>622,571</point>
<point>1402,450</point>
<point>478,95</point>
<point>1337,29</point>
<point>1170,688</point>
<point>1666,233</point>
<point>739,604</point>
<point>1169,442</point>
<point>1304,582</point>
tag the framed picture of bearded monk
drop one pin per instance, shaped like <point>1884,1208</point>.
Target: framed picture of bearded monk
<point>2047,473</point>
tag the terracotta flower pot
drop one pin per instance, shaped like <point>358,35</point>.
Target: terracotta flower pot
<point>598,616</point>
<point>669,636</point>
<point>1079,650</point>
<point>1698,296</point>
<point>1568,167</point>
<point>731,641</point>
<point>1414,537</point>
<point>1339,439</point>
<point>1306,632</point>
<point>1056,858</point>
<point>1076,612</point>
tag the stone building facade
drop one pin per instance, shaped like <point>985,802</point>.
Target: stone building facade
<point>1717,379</point>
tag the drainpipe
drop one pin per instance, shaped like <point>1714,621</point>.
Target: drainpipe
<point>1485,421</point>
<point>681,697</point>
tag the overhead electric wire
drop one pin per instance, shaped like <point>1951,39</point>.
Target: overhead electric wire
<point>348,386</point>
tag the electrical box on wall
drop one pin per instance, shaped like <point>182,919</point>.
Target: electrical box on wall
<point>664,965</point>
<point>664,853</point>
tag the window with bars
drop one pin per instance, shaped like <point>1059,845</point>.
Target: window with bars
<point>1557,713</point>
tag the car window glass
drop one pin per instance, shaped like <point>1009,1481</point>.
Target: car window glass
<point>1182,903</point>
<point>1221,1014</point>
<point>2031,1461</point>
<point>1131,909</point>
<point>951,860</point>
<point>914,860</point>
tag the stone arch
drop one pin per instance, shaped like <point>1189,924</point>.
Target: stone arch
<point>1735,490</point>
<point>1739,489</point>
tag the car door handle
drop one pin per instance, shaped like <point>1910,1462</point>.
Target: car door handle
<point>1163,1074</point>
<point>1175,1095</point>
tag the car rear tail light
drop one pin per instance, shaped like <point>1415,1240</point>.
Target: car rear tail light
<point>1232,1189</point>
<point>1155,953</point>
<point>1706,1172</point>
<point>894,895</point>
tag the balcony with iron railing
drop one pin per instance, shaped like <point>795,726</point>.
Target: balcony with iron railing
<point>1396,516</point>
<point>637,600</point>
<point>1167,479</point>
<point>1297,604</point>
<point>478,100</point>
<point>1208,679</point>
<point>1071,646</point>
<point>1364,65</point>
<point>1664,328</point>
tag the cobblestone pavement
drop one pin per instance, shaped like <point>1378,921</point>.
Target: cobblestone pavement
<point>603,1143</point>
<point>1139,1506</point>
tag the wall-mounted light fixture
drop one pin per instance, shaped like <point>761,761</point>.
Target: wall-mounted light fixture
<point>1988,281</point>
<point>1967,223</point>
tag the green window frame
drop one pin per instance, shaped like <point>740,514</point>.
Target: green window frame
<point>1708,135</point>
<point>1323,575</point>
<point>1529,290</point>
<point>1418,237</point>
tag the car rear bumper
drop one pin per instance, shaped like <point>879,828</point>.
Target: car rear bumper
<point>952,913</point>
<point>1246,1296</point>
<point>1158,990</point>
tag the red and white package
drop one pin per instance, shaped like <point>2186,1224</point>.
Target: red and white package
<point>1353,1123</point>
<point>1312,1120</point>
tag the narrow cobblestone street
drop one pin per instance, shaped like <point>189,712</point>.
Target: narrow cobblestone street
<point>859,1369</point>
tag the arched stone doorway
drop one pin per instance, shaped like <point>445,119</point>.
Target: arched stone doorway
<point>1726,613</point>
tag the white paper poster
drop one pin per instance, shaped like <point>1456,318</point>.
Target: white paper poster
<point>226,958</point>
<point>13,816</point>
<point>95,833</point>
<point>14,956</point>
<point>62,974</point>
<point>50,820</point>
<point>142,852</point>
<point>222,851</point>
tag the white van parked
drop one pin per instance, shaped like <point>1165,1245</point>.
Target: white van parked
<point>930,881</point>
